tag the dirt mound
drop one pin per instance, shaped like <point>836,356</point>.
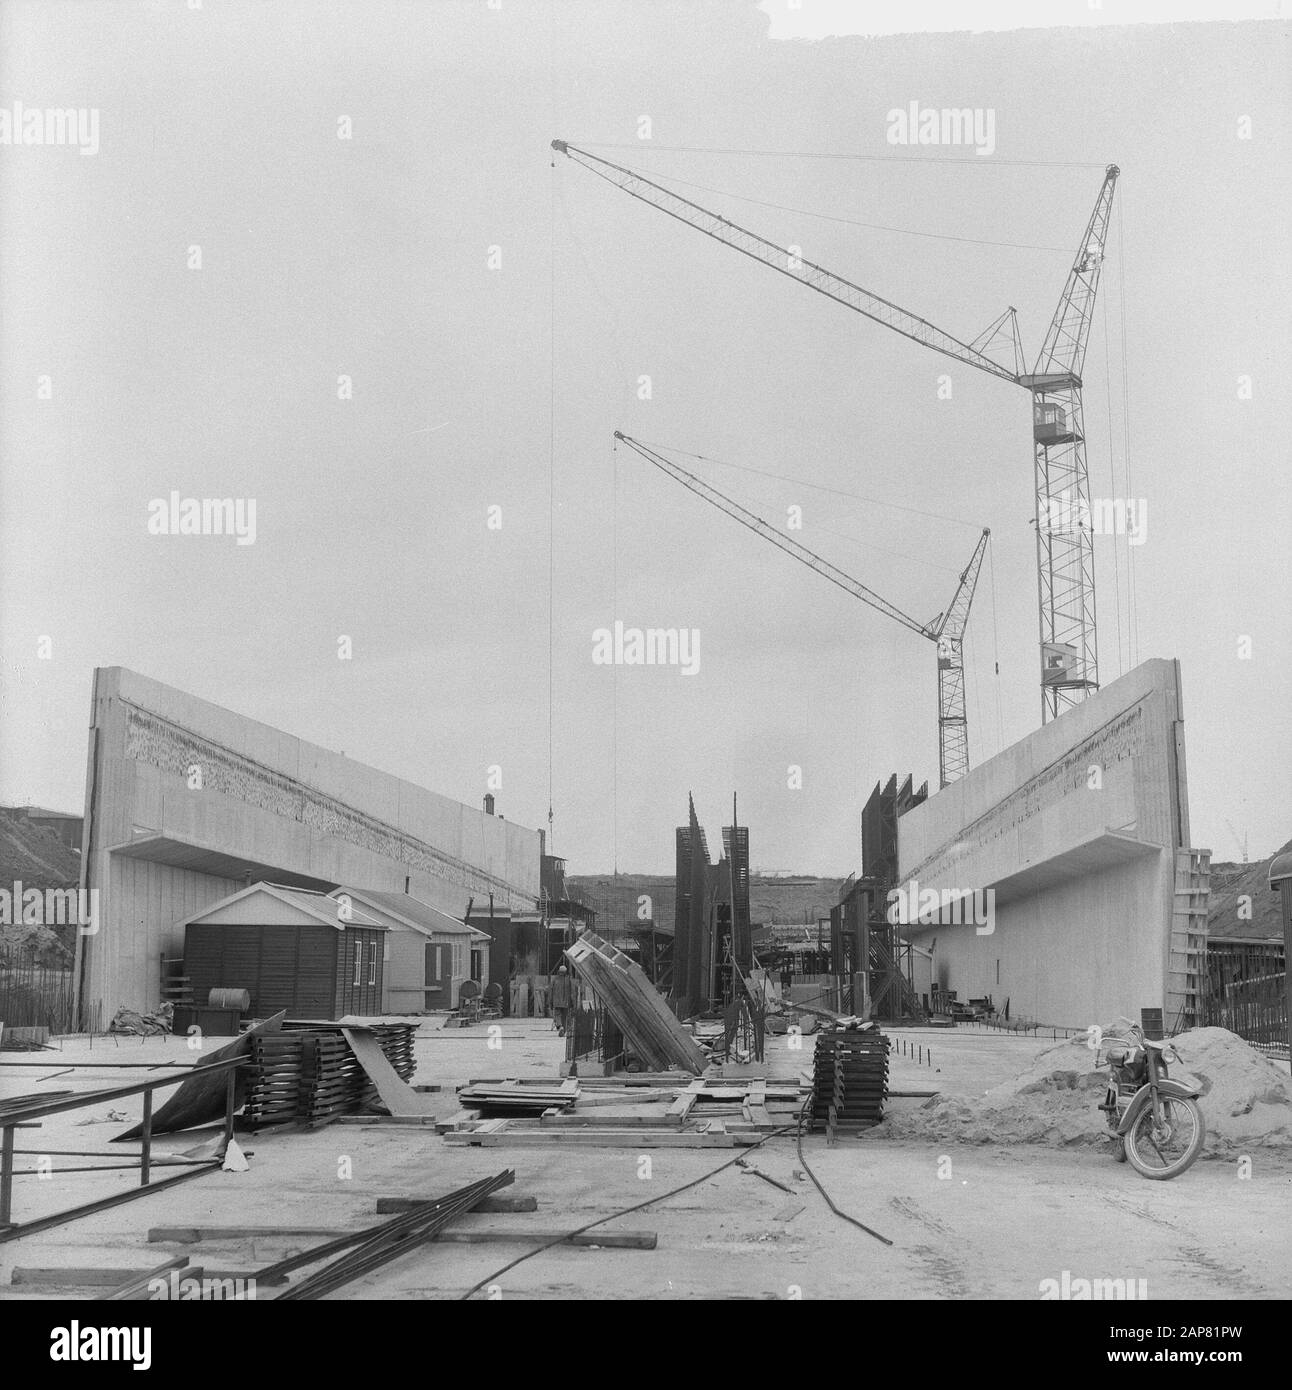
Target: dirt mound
<point>1246,886</point>
<point>33,855</point>
<point>1246,1099</point>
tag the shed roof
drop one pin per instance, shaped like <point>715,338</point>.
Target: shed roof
<point>285,902</point>
<point>404,910</point>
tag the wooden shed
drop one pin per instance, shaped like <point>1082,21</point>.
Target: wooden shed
<point>429,953</point>
<point>291,949</point>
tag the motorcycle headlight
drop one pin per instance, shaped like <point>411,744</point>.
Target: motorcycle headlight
<point>1169,1054</point>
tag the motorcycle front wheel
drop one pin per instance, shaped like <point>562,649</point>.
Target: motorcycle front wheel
<point>1166,1150</point>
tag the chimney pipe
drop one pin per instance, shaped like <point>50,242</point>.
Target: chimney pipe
<point>488,803</point>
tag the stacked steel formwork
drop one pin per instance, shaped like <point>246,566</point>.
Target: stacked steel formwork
<point>849,1080</point>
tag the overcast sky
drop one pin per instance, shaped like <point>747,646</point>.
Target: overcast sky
<point>369,258</point>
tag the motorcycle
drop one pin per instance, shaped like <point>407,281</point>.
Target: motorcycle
<point>1155,1122</point>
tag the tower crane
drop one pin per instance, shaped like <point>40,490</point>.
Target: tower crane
<point>1064,539</point>
<point>947,630</point>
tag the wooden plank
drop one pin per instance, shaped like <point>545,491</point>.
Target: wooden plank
<point>641,1096</point>
<point>384,1121</point>
<point>619,1081</point>
<point>91,1277</point>
<point>558,1119</point>
<point>684,1104</point>
<point>455,1121</point>
<point>136,1286</point>
<point>605,1240</point>
<point>789,1211</point>
<point>636,1080</point>
<point>396,1094</point>
<point>601,1138</point>
<point>196,1235</point>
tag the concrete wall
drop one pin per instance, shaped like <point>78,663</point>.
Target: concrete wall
<point>1075,830</point>
<point>158,849</point>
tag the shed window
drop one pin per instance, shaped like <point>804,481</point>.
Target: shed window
<point>372,964</point>
<point>358,962</point>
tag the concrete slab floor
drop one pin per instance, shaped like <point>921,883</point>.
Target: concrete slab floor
<point>966,1223</point>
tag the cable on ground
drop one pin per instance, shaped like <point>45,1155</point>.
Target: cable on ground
<point>797,1130</point>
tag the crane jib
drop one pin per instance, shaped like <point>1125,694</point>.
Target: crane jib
<point>769,532</point>
<point>768,253</point>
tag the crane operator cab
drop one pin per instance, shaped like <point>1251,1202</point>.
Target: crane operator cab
<point>1050,423</point>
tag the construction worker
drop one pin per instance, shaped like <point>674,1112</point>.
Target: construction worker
<point>562,999</point>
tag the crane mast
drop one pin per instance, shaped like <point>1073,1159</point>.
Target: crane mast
<point>953,729</point>
<point>947,630</point>
<point>1064,539</point>
<point>1065,547</point>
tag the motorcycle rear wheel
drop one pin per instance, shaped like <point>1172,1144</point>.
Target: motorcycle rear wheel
<point>1166,1152</point>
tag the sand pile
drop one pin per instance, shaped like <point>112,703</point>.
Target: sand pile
<point>1246,1099</point>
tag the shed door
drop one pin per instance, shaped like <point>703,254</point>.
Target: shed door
<point>439,968</point>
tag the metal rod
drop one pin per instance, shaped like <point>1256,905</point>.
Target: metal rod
<point>57,1106</point>
<point>109,1167</point>
<point>101,1066</point>
<point>392,1228</point>
<point>6,1175</point>
<point>146,1152</point>
<point>46,1223</point>
<point>230,1105</point>
<point>380,1248</point>
<point>132,1159</point>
